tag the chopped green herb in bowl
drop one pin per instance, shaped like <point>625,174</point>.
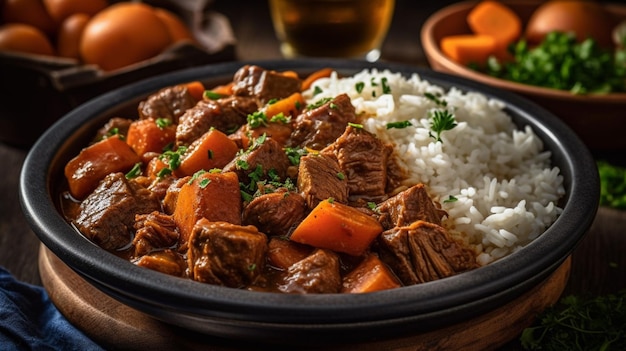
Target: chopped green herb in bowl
<point>560,62</point>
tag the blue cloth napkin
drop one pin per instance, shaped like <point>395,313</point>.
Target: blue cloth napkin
<point>30,321</point>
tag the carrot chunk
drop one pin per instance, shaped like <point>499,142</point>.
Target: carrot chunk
<point>322,73</point>
<point>289,106</point>
<point>196,89</point>
<point>222,90</point>
<point>338,227</point>
<point>146,135</point>
<point>496,20</point>
<point>214,196</point>
<point>213,149</point>
<point>370,275</point>
<point>468,48</point>
<point>94,162</point>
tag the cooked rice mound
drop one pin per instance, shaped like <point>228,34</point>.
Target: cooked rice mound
<point>503,188</point>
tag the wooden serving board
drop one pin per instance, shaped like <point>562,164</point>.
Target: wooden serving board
<point>117,326</point>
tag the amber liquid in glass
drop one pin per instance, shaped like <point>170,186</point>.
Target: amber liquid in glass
<point>332,28</point>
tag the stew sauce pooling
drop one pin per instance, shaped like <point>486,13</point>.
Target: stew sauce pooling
<point>247,186</point>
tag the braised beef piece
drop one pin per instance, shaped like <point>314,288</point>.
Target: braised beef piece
<point>317,273</point>
<point>423,251</point>
<point>165,261</point>
<point>226,254</point>
<point>319,127</point>
<point>264,160</point>
<point>107,215</point>
<point>154,231</point>
<point>160,186</point>
<point>409,206</point>
<point>170,103</point>
<point>263,84</point>
<point>275,213</point>
<point>116,125</point>
<point>363,158</point>
<point>226,115</point>
<point>171,194</point>
<point>320,178</point>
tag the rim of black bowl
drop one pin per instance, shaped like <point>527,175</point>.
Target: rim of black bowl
<point>146,289</point>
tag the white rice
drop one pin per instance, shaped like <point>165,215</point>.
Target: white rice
<point>506,189</point>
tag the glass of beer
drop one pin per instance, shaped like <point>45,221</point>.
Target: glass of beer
<point>332,28</point>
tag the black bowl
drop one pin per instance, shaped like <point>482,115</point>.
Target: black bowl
<point>258,316</point>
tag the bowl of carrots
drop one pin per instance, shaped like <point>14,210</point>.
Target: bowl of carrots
<point>536,49</point>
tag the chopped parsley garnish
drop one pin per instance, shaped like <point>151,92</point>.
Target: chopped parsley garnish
<point>359,87</point>
<point>204,182</point>
<point>436,99</point>
<point>442,120</point>
<point>561,62</point>
<point>399,125</point>
<point>257,119</point>
<point>450,199</point>
<point>134,172</point>
<point>317,90</point>
<point>196,176</point>
<point>341,176</point>
<point>172,159</point>
<point>318,103</point>
<point>372,206</point>
<point>211,95</point>
<point>294,154</point>
<point>355,125</point>
<point>113,132</point>
<point>242,164</point>
<point>385,85</point>
<point>163,123</point>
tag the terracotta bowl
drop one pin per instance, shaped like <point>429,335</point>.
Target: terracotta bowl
<point>600,120</point>
<point>238,314</point>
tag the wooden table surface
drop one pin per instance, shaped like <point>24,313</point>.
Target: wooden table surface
<point>599,263</point>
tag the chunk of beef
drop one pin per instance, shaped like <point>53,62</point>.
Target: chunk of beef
<point>317,273</point>
<point>226,254</point>
<point>164,261</point>
<point>265,85</point>
<point>408,206</point>
<point>320,178</point>
<point>107,215</point>
<point>160,185</point>
<point>275,213</point>
<point>319,127</point>
<point>116,125</point>
<point>154,231</point>
<point>264,160</point>
<point>171,194</point>
<point>363,158</point>
<point>170,103</point>
<point>226,115</point>
<point>423,252</point>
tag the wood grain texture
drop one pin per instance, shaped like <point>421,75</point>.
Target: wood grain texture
<point>118,326</point>
<point>598,264</point>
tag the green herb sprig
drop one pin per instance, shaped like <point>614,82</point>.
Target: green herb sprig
<point>579,323</point>
<point>441,120</point>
